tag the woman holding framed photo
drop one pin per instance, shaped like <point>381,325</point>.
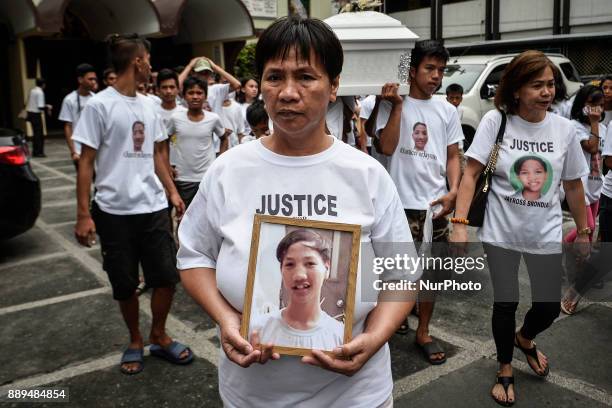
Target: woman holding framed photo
<point>523,218</point>
<point>299,171</point>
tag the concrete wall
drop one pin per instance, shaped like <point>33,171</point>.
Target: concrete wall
<point>465,21</point>
<point>212,50</point>
<point>20,83</point>
<point>282,9</point>
<point>320,9</point>
<point>525,16</point>
<point>419,21</point>
<point>586,12</point>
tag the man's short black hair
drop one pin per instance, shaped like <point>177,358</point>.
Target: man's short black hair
<point>256,113</point>
<point>454,88</point>
<point>192,81</point>
<point>305,35</point>
<point>40,81</point>
<point>166,74</point>
<point>83,69</point>
<point>107,72</point>
<point>124,48</point>
<point>427,48</point>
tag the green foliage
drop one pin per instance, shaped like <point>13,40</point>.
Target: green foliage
<point>245,62</point>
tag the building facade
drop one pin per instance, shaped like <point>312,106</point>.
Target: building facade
<point>48,38</point>
<point>579,29</point>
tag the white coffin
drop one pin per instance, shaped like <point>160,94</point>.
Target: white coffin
<point>373,43</point>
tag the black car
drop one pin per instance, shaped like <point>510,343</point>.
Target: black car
<point>19,187</point>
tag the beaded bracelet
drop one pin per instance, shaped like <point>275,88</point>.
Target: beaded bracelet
<point>464,221</point>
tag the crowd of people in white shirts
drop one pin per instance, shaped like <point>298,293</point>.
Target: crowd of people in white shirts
<point>193,117</point>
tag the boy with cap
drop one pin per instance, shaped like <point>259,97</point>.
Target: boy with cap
<point>203,68</point>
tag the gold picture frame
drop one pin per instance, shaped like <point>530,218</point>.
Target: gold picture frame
<point>348,235</point>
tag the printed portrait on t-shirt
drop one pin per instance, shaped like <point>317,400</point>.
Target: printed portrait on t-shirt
<point>138,135</point>
<point>594,165</point>
<point>299,294</point>
<point>419,136</point>
<point>531,176</point>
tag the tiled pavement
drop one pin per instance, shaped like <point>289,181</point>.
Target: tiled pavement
<point>60,326</point>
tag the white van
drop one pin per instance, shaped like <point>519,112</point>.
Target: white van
<point>479,76</point>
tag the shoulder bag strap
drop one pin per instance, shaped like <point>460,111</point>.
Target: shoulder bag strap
<point>492,163</point>
<point>502,128</point>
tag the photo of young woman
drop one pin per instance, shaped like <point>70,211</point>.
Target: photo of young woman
<point>304,262</point>
<point>419,135</point>
<point>531,172</point>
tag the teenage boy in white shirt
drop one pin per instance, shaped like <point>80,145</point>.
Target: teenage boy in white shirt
<point>194,130</point>
<point>421,134</point>
<point>204,68</point>
<point>120,131</point>
<point>258,121</point>
<point>73,105</point>
<point>167,83</point>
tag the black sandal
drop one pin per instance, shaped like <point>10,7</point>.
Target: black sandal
<point>533,353</point>
<point>505,382</point>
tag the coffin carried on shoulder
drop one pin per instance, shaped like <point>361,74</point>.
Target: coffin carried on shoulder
<point>376,48</point>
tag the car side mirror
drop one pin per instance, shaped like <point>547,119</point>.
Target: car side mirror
<point>488,91</point>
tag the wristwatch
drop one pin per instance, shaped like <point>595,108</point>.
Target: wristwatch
<point>585,231</point>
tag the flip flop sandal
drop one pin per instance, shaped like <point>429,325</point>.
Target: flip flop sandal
<point>505,382</point>
<point>533,353</point>
<point>132,356</point>
<point>432,348</point>
<point>172,353</point>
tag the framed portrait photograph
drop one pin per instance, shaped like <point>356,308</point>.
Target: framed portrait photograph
<point>300,291</point>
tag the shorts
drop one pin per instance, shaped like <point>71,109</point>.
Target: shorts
<point>130,240</point>
<point>187,190</point>
<point>416,222</point>
<point>439,238</point>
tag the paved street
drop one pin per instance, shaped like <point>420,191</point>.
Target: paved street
<point>60,327</point>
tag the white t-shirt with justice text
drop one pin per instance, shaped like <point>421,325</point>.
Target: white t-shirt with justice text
<point>340,184</point>
<point>123,130</point>
<point>523,209</point>
<point>418,165</point>
<point>195,151</point>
